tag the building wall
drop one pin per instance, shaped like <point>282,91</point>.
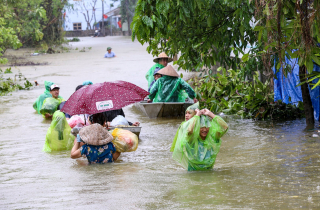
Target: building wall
<point>75,15</point>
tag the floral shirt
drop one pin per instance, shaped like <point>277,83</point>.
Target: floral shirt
<point>98,154</point>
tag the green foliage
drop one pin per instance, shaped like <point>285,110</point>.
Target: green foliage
<point>8,71</point>
<point>290,29</point>
<point>8,85</point>
<point>28,22</point>
<point>205,32</point>
<point>8,37</point>
<point>127,10</point>
<point>227,92</point>
<point>74,39</point>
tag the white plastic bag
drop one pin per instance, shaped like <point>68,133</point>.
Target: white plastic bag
<point>119,120</point>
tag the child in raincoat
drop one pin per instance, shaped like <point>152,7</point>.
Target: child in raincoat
<point>199,140</point>
<point>59,135</point>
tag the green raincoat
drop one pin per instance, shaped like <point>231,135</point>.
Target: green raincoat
<point>59,135</point>
<point>170,89</point>
<point>149,75</point>
<point>38,103</point>
<point>191,109</point>
<point>191,151</point>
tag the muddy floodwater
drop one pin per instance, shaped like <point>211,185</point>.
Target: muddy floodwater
<point>261,165</point>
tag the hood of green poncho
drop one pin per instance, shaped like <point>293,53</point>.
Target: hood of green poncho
<point>205,121</point>
<point>48,84</point>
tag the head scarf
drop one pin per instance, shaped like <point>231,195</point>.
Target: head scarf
<point>87,82</point>
<point>156,70</point>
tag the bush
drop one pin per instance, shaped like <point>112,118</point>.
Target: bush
<point>228,93</point>
<point>8,85</point>
<point>74,39</point>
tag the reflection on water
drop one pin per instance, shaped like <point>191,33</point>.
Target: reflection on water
<point>261,165</point>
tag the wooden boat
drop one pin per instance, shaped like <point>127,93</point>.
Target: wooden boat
<point>134,129</point>
<point>163,109</point>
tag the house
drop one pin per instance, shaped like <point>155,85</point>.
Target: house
<point>85,16</point>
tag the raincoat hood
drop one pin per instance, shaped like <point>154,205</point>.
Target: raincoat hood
<point>58,135</point>
<point>47,85</point>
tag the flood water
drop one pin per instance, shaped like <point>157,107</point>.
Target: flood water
<point>261,165</point>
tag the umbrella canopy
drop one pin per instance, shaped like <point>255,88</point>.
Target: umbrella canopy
<point>101,97</point>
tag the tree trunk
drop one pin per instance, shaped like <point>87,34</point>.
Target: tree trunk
<point>129,29</point>
<point>307,104</point>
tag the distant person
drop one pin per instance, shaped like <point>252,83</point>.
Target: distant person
<point>87,82</point>
<point>168,88</point>
<point>96,33</point>
<point>161,61</point>
<point>109,54</point>
<point>156,76</point>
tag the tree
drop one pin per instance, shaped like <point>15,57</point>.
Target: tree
<point>87,8</point>
<point>52,25</point>
<point>8,37</point>
<point>127,8</point>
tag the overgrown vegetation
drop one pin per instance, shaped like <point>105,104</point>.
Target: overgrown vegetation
<point>8,85</point>
<point>227,92</point>
<point>74,39</point>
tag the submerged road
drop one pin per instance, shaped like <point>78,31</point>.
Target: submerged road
<point>261,165</point>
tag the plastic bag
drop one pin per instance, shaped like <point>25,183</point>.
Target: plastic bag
<point>50,105</point>
<point>58,135</point>
<point>191,151</point>
<point>74,120</point>
<point>119,120</point>
<point>76,129</point>
<point>124,140</point>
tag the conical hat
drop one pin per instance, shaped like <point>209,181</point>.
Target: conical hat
<point>169,71</point>
<point>95,134</point>
<point>162,55</point>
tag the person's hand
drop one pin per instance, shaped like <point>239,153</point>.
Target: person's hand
<point>149,100</point>
<point>195,100</point>
<point>198,112</point>
<point>207,112</point>
<point>136,124</point>
<point>108,124</point>
<point>47,115</point>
